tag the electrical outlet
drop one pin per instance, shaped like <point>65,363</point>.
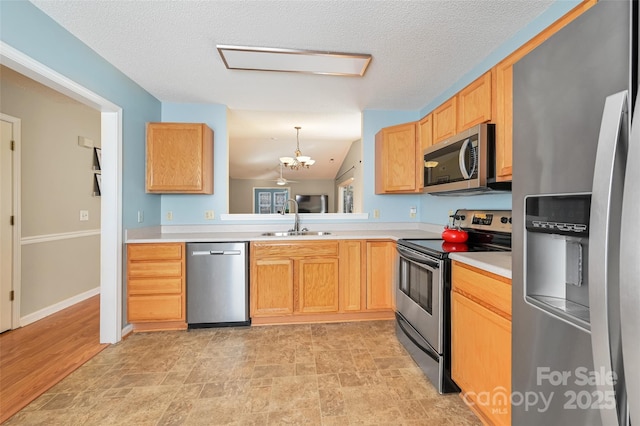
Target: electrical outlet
<point>209,214</point>
<point>376,214</point>
<point>412,212</point>
<point>169,215</point>
<point>84,215</point>
<point>140,216</point>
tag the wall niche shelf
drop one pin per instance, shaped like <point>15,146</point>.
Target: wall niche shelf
<point>97,172</point>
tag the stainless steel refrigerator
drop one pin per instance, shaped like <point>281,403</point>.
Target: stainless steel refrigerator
<point>576,198</point>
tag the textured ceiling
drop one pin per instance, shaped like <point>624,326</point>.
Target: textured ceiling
<point>419,49</point>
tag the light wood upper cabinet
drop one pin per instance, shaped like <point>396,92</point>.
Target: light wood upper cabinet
<point>425,133</point>
<point>398,160</point>
<point>179,158</point>
<point>444,120</point>
<point>474,103</point>
<point>504,120</point>
<point>471,106</point>
<point>381,257</point>
<point>156,285</point>
<point>481,340</point>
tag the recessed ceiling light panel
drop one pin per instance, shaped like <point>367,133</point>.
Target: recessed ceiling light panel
<point>288,60</point>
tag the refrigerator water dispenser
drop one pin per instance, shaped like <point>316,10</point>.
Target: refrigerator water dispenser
<point>556,253</point>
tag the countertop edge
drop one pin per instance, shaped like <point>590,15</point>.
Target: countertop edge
<point>498,263</point>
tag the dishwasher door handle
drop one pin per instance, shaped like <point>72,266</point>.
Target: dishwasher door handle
<point>216,253</point>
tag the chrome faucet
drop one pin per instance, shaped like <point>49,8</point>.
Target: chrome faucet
<point>296,223</point>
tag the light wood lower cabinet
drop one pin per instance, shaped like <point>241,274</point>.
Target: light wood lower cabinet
<point>156,296</point>
<point>352,275</point>
<point>481,341</point>
<point>293,277</point>
<point>381,257</point>
<point>318,285</point>
<point>309,281</point>
<point>271,287</point>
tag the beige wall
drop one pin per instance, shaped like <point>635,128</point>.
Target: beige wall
<point>57,182</point>
<point>242,190</point>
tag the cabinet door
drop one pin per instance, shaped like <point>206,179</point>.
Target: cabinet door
<point>156,282</point>
<point>351,275</point>
<point>396,162</point>
<point>271,287</point>
<point>481,357</point>
<point>380,274</point>
<point>425,133</point>
<point>318,285</point>
<point>474,103</point>
<point>179,158</point>
<point>444,120</point>
<point>504,120</point>
<point>158,307</point>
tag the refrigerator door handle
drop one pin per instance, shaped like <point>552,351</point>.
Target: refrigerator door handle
<point>630,271</point>
<point>601,234</point>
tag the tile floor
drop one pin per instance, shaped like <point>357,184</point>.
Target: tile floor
<point>322,374</point>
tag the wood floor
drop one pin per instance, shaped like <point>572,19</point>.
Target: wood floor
<point>36,357</point>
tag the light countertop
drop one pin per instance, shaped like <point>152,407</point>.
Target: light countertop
<point>239,233</point>
<point>498,263</point>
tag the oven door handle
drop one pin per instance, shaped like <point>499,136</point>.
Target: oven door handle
<point>409,331</point>
<point>415,257</point>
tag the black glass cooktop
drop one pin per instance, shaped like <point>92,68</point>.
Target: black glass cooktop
<point>441,248</point>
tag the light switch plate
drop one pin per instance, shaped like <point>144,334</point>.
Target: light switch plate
<point>85,142</point>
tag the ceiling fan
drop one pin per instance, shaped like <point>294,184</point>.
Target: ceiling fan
<point>281,180</point>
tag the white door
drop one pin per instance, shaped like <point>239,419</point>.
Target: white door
<point>6,229</point>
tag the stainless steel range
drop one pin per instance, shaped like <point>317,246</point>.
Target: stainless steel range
<point>424,287</point>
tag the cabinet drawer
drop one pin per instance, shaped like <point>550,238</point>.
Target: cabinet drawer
<point>155,286</point>
<point>294,250</point>
<point>155,308</point>
<point>155,269</point>
<point>492,291</point>
<point>154,251</point>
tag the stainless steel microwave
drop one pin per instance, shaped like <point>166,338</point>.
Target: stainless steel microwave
<point>463,163</point>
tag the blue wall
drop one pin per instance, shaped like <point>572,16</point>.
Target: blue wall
<point>190,209</point>
<point>392,208</point>
<point>27,29</point>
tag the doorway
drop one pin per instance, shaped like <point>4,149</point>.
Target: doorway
<point>111,206</point>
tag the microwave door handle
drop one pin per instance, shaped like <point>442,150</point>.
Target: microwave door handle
<point>630,270</point>
<point>602,233</point>
<point>463,167</point>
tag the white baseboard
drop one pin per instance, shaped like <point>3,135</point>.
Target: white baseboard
<point>128,329</point>
<point>42,313</point>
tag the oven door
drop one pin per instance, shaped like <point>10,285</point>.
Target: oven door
<point>419,294</point>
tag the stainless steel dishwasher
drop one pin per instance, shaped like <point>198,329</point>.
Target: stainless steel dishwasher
<point>217,284</point>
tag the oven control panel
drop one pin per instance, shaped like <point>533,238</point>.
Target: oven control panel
<point>485,220</point>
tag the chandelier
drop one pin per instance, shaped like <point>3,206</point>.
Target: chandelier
<point>299,161</point>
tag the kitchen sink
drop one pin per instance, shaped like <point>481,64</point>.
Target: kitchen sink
<point>294,233</point>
